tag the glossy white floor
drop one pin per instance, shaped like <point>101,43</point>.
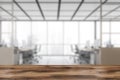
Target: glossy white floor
<point>56,60</point>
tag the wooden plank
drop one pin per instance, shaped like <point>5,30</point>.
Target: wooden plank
<point>76,72</point>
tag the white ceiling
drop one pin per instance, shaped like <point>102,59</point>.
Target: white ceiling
<point>50,10</point>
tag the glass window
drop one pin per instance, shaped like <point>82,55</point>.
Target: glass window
<point>39,32</point>
<point>6,39</point>
<point>23,33</point>
<point>55,38</point>
<point>86,32</point>
<point>115,27</point>
<point>105,27</point>
<point>39,36</point>
<point>6,30</point>
<point>106,39</point>
<point>70,32</point>
<point>55,33</point>
<point>70,36</point>
<point>98,31</point>
<point>6,27</point>
<point>115,39</point>
<point>105,33</point>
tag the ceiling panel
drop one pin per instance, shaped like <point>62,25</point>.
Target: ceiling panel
<point>111,17</point>
<point>48,0</point>
<point>51,18</point>
<point>16,8</point>
<point>29,6</point>
<point>71,0</point>
<point>109,7</point>
<point>25,0</point>
<point>113,0</point>
<point>65,13</point>
<point>116,19</point>
<point>78,18</point>
<point>105,12</point>
<point>81,13</point>
<point>19,13</point>
<point>64,18</point>
<point>34,13</point>
<point>94,0</point>
<point>7,17</point>
<point>1,18</point>
<point>89,6</point>
<point>6,6</point>
<point>3,13</point>
<point>49,6</point>
<point>37,18</point>
<point>23,18</point>
<point>72,6</point>
<point>96,13</point>
<point>93,18</point>
<point>113,14</point>
<point>118,10</point>
<point>5,0</point>
<point>50,13</point>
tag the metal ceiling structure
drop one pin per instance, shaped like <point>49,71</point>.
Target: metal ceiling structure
<point>59,10</point>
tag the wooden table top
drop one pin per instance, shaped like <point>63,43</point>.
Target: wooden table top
<point>73,72</point>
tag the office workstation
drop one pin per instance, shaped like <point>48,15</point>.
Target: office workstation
<point>60,33</point>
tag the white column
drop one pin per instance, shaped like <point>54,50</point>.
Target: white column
<point>101,23</point>
<point>0,31</point>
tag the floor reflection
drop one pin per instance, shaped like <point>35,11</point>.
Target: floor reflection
<point>51,60</point>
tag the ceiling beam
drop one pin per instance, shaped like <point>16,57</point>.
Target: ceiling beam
<point>111,11</point>
<point>8,12</point>
<point>22,10</point>
<point>95,10</point>
<point>116,17</point>
<point>77,9</point>
<point>40,9</point>
<point>58,12</point>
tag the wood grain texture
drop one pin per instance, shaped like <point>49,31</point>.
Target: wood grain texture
<point>77,72</point>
